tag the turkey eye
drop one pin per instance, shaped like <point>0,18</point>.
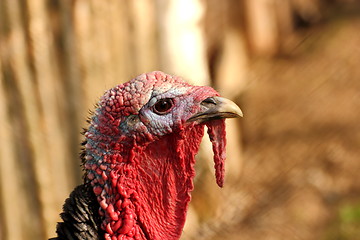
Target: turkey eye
<point>163,106</point>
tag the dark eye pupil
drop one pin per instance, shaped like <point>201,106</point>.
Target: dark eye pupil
<point>163,105</point>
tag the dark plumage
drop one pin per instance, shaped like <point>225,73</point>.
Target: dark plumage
<point>80,216</point>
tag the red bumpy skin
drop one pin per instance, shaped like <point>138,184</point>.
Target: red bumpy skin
<point>140,161</point>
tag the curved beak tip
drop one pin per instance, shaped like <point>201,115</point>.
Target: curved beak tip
<point>217,108</point>
<point>227,106</point>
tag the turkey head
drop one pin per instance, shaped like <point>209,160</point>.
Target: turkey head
<point>140,148</point>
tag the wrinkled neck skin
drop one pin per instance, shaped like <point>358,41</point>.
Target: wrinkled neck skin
<point>144,190</point>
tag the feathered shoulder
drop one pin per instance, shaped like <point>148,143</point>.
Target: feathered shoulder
<point>80,216</point>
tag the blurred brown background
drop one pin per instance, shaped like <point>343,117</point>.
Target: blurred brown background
<point>292,65</point>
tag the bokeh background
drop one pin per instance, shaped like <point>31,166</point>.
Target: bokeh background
<point>292,65</point>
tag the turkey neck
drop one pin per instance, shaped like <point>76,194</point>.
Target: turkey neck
<point>166,172</point>
<point>144,191</point>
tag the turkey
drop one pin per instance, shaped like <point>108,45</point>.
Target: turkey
<point>139,155</point>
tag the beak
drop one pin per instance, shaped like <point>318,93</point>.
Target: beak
<point>216,108</point>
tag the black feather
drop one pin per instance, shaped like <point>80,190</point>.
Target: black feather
<point>81,219</point>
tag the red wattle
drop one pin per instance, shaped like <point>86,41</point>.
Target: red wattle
<point>217,133</point>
